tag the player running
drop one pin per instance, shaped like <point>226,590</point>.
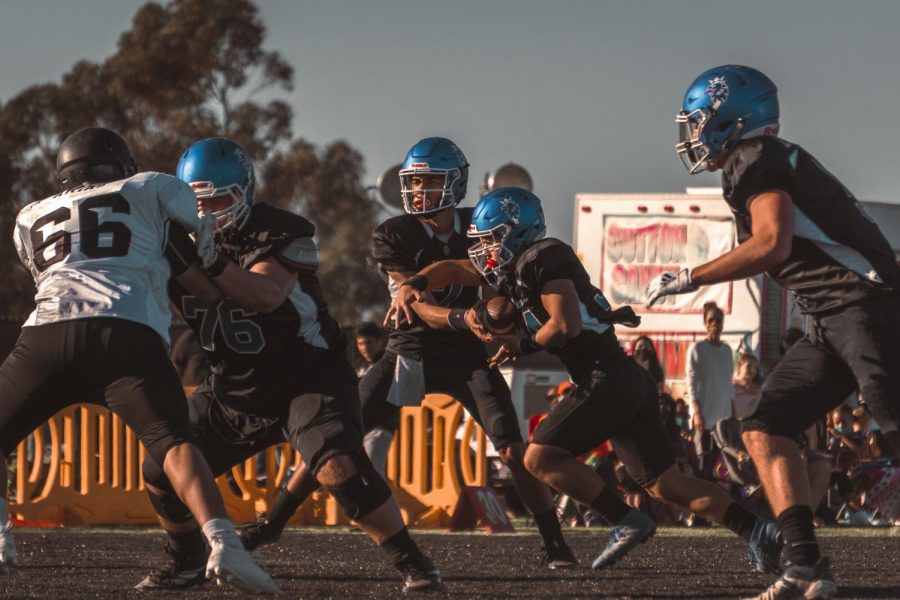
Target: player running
<point>100,330</point>
<point>800,225</point>
<point>616,399</point>
<point>279,370</point>
<point>435,351</point>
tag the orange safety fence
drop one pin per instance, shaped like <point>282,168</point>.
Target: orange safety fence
<point>83,467</point>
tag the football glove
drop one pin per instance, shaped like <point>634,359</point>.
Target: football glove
<point>669,283</point>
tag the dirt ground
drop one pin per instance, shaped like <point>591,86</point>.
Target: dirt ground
<point>339,563</point>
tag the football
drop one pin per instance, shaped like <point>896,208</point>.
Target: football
<point>499,315</point>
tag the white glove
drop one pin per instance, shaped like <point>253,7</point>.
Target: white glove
<point>669,283</point>
<point>206,240</point>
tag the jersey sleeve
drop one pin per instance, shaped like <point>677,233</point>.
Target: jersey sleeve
<point>180,250</point>
<point>388,250</point>
<point>22,246</point>
<point>760,166</point>
<point>282,235</point>
<point>177,201</point>
<point>555,261</point>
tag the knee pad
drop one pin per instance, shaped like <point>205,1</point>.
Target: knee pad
<point>166,503</point>
<point>362,493</point>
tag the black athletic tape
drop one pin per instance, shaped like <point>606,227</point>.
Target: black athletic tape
<point>529,346</point>
<point>417,282</point>
<point>457,319</point>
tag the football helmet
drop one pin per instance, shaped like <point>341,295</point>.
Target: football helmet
<point>434,156</point>
<point>93,155</point>
<point>723,106</point>
<point>219,167</point>
<point>505,222</point>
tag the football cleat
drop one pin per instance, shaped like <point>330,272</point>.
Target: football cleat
<point>764,547</point>
<point>798,582</point>
<point>424,577</point>
<point>8,556</point>
<point>636,528</point>
<point>258,534</point>
<point>230,564</point>
<point>183,572</point>
<point>558,555</point>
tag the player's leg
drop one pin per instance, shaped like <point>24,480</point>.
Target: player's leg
<point>807,382</point>
<point>577,424</point>
<point>31,383</point>
<point>144,390</point>
<point>325,425</point>
<point>380,418</point>
<point>485,394</point>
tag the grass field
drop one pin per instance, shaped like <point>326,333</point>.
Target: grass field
<point>341,563</point>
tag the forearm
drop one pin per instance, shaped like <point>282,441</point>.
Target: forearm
<point>248,289</point>
<point>753,257</point>
<point>449,272</point>
<point>433,315</point>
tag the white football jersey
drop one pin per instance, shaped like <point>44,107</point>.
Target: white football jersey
<point>97,250</point>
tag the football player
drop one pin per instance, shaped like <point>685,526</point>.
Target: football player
<point>616,399</point>
<point>800,225</point>
<point>435,351</point>
<point>279,369</point>
<point>100,329</point>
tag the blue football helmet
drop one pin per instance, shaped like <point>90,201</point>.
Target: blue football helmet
<point>723,106</point>
<point>217,167</point>
<point>505,222</point>
<point>433,156</point>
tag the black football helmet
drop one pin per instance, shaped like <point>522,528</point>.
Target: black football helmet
<point>93,155</point>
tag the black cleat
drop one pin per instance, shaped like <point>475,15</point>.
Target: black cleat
<point>424,577</point>
<point>558,555</point>
<point>182,573</point>
<point>261,533</point>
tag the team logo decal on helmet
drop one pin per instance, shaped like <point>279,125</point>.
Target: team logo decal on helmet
<point>511,209</point>
<point>717,91</point>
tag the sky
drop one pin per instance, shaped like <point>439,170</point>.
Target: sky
<point>583,93</point>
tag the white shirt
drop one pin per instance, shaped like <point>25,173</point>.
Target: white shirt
<point>709,374</point>
<point>97,250</point>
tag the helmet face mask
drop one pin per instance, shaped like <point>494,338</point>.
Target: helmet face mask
<point>721,107</point>
<point>491,254</point>
<point>221,175</point>
<point>433,176</point>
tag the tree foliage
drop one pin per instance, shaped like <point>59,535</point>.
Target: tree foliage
<point>187,70</point>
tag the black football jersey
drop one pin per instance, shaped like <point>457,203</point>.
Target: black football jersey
<point>839,255</point>
<point>406,244</point>
<point>257,359</point>
<point>550,259</point>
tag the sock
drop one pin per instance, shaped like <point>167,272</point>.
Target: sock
<point>610,506</point>
<point>740,520</point>
<point>548,526</point>
<point>796,525</point>
<point>224,528</point>
<point>4,511</point>
<point>287,502</point>
<point>187,543</point>
<point>402,550</point>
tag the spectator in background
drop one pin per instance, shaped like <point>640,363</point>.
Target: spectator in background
<point>746,386</point>
<point>370,341</point>
<point>644,354</point>
<point>709,371</point>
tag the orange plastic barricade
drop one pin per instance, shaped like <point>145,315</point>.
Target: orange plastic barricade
<point>83,467</point>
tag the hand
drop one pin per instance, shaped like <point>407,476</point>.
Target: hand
<point>401,305</point>
<point>509,350</point>
<point>698,422</point>
<point>478,328</point>
<point>669,283</point>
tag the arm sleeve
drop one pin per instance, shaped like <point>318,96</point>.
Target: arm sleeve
<point>758,168</point>
<point>180,250</point>
<point>178,202</point>
<point>387,250</point>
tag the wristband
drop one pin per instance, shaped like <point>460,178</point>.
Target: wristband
<point>217,266</point>
<point>529,346</point>
<point>417,282</point>
<point>456,318</point>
